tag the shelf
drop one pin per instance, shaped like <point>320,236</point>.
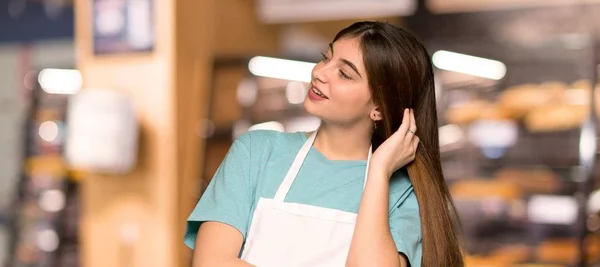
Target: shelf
<point>535,163</point>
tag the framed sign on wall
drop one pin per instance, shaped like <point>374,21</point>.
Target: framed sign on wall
<point>123,26</point>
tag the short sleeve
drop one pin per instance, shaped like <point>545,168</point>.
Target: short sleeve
<point>405,226</point>
<point>227,199</point>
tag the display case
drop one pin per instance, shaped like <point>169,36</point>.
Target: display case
<point>44,216</point>
<point>518,142</point>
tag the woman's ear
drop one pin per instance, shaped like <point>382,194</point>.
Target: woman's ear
<point>375,114</point>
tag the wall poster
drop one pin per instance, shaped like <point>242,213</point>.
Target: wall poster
<point>123,26</point>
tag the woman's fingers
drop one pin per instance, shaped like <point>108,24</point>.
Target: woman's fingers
<point>414,121</point>
<point>404,126</point>
<point>414,145</point>
<point>408,128</point>
<point>412,129</point>
<point>412,126</point>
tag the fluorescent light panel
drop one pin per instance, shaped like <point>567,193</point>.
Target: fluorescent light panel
<point>281,68</point>
<point>471,65</point>
<point>60,81</point>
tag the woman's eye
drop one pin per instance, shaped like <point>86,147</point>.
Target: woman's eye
<point>325,58</point>
<point>344,75</point>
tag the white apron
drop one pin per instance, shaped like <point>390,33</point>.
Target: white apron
<point>297,235</point>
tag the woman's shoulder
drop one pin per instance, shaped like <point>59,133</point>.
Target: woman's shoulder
<point>265,140</point>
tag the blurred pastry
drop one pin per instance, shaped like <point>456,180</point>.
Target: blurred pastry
<point>555,118</point>
<point>555,90</point>
<point>477,189</point>
<point>481,261</point>
<point>557,251</point>
<point>512,253</point>
<point>581,84</point>
<point>519,100</point>
<point>577,97</point>
<point>531,181</point>
<point>505,256</point>
<point>592,244</point>
<point>538,265</point>
<point>494,112</point>
<point>467,112</point>
<point>566,250</point>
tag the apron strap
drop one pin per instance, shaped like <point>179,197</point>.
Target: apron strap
<point>367,167</point>
<point>294,169</point>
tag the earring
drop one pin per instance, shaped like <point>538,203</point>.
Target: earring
<point>375,125</point>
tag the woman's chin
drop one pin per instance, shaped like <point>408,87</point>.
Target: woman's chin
<point>311,108</point>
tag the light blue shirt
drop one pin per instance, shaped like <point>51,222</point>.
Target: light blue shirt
<point>258,161</point>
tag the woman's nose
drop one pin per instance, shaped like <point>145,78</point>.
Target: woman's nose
<point>319,73</point>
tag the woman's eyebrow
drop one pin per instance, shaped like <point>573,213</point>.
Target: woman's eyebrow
<point>345,61</point>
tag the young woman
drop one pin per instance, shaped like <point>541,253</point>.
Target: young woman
<point>362,190</point>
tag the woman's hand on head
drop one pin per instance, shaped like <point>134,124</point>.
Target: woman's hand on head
<point>399,149</point>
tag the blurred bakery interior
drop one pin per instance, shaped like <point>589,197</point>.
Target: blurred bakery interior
<point>114,115</point>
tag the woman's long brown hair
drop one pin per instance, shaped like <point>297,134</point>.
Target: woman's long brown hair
<point>400,76</point>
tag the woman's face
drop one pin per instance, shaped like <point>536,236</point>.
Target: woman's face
<point>339,92</point>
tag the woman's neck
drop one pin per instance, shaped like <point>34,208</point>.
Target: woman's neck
<point>343,142</point>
